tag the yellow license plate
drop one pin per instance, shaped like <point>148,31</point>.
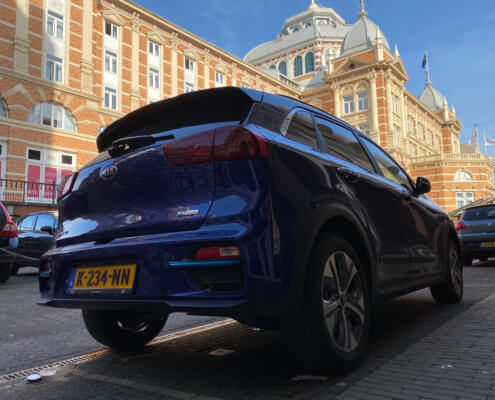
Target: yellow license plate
<point>488,244</point>
<point>107,278</point>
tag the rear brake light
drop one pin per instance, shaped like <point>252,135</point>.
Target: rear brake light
<point>9,230</point>
<point>66,185</point>
<point>218,253</point>
<point>460,226</point>
<point>227,143</point>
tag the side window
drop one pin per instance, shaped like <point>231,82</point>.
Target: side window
<point>301,129</point>
<point>44,220</point>
<point>389,168</point>
<point>343,143</point>
<point>28,223</point>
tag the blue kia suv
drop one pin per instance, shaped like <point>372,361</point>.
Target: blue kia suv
<point>245,204</point>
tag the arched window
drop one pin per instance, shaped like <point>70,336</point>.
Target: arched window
<point>298,61</point>
<point>309,62</point>
<point>282,68</point>
<point>463,176</point>
<point>273,66</point>
<point>52,114</point>
<point>3,109</point>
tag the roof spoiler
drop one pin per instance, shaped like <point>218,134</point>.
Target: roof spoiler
<point>196,108</point>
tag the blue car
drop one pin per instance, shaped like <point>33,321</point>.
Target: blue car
<point>239,203</point>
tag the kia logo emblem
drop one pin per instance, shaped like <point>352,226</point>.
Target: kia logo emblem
<point>109,172</point>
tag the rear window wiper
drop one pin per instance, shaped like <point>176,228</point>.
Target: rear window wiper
<point>126,144</point>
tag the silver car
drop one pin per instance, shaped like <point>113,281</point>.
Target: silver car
<point>476,232</point>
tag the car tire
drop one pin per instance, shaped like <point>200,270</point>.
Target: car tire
<point>109,328</point>
<point>452,289</point>
<point>483,259</point>
<point>331,330</point>
<point>467,261</point>
<point>4,272</point>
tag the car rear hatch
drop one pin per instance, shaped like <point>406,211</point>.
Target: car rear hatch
<point>155,172</point>
<point>477,222</point>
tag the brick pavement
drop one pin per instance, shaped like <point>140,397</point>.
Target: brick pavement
<point>454,361</point>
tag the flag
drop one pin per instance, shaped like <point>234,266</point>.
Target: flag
<point>488,141</point>
<point>424,64</point>
<point>473,140</point>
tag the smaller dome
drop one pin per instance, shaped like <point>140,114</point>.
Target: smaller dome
<point>432,98</point>
<point>364,34</point>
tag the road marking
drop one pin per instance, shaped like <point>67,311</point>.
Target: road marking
<point>100,353</point>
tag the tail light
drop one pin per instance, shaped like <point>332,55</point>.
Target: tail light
<point>9,230</point>
<point>225,144</point>
<point>218,253</point>
<point>66,185</point>
<point>460,226</point>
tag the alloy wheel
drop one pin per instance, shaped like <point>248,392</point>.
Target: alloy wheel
<point>343,301</point>
<point>455,269</point>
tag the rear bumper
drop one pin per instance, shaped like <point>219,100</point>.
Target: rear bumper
<point>471,245</point>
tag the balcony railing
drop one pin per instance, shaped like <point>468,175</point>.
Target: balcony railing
<point>22,192</point>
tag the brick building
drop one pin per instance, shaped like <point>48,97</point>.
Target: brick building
<point>68,68</point>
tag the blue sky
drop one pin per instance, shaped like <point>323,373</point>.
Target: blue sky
<point>459,36</point>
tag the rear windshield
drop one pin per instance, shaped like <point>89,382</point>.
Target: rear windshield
<point>476,214</point>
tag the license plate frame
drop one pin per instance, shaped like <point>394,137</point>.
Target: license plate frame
<point>84,279</point>
<point>488,244</point>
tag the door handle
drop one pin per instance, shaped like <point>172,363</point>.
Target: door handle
<point>348,174</point>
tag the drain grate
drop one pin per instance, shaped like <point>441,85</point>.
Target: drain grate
<point>100,353</point>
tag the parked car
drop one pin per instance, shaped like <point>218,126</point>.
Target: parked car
<point>476,232</point>
<point>250,205</point>
<point>8,243</point>
<point>35,237</point>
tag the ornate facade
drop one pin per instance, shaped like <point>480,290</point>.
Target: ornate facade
<point>68,68</point>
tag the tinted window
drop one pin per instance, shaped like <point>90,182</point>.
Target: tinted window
<point>343,143</point>
<point>44,220</point>
<point>476,214</point>
<point>27,223</point>
<point>388,167</point>
<point>301,129</point>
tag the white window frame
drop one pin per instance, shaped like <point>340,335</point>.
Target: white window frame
<point>190,64</point>
<point>219,79</point>
<point>188,87</point>
<point>396,105</point>
<point>38,119</point>
<point>398,135</point>
<point>114,29</point>
<point>362,100</point>
<point>464,198</point>
<point>410,124</point>
<point>349,106</point>
<point>153,78</point>
<point>57,21</point>
<point>112,62</point>
<point>54,66</point>
<point>153,48</point>
<point>110,98</point>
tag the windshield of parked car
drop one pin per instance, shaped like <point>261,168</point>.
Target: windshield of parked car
<point>476,214</point>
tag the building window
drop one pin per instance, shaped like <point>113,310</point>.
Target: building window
<point>111,29</point>
<point>3,109</point>
<point>53,115</point>
<point>396,105</point>
<point>421,131</point>
<point>365,128</point>
<point>363,101</point>
<point>282,68</point>
<point>429,137</point>
<point>189,64</point>
<point>309,62</point>
<point>398,136</point>
<point>189,87</point>
<point>273,66</point>
<point>463,176</point>
<point>464,198</point>
<point>410,124</point>
<point>154,78</point>
<point>53,68</point>
<point>110,62</point>
<point>55,25</point>
<point>349,104</point>
<point>219,79</point>
<point>153,48</point>
<point>110,98</point>
<point>298,67</point>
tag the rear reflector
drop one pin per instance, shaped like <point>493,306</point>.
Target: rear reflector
<point>9,230</point>
<point>66,185</point>
<point>460,226</point>
<point>218,253</point>
<point>224,144</point>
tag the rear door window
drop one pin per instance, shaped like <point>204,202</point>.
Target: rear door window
<point>478,214</point>
<point>44,220</point>
<point>301,129</point>
<point>343,144</point>
<point>388,167</point>
<point>27,223</point>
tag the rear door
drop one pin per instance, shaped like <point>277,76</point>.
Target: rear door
<point>42,239</point>
<point>26,233</point>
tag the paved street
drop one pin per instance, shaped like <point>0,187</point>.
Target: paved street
<point>419,350</point>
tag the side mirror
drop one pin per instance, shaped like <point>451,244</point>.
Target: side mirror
<point>47,229</point>
<point>423,186</point>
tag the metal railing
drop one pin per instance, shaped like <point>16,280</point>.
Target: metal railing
<point>12,191</point>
